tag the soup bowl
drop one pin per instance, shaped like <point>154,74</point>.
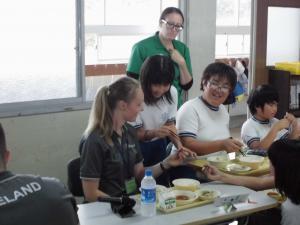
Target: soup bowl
<point>186,184</point>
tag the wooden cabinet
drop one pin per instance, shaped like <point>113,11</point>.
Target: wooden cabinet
<point>288,86</point>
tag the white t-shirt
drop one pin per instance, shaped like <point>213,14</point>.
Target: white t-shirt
<point>290,213</point>
<point>255,130</point>
<point>202,121</point>
<point>155,116</point>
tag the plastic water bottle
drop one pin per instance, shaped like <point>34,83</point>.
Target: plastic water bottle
<point>148,195</point>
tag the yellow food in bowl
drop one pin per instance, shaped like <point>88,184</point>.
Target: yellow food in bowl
<point>253,161</point>
<point>186,184</point>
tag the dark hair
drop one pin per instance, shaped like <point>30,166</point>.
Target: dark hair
<point>170,10</point>
<point>157,69</point>
<point>284,155</point>
<point>220,70</point>
<point>3,146</point>
<point>261,95</point>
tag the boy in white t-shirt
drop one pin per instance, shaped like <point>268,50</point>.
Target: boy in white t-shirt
<point>259,131</point>
<point>203,122</point>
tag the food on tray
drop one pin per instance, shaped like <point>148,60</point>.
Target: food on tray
<point>184,197</point>
<point>208,194</point>
<point>253,161</point>
<point>218,161</point>
<point>233,167</point>
<point>186,184</point>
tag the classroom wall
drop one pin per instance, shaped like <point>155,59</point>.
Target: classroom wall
<point>201,21</point>
<point>43,144</point>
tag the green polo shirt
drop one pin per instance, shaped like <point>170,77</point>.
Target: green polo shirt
<point>152,46</point>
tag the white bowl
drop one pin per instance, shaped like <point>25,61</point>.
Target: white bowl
<point>218,161</point>
<point>186,184</point>
<point>184,197</point>
<point>208,194</point>
<point>253,161</point>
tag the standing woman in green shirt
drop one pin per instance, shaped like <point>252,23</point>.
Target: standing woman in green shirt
<point>164,43</point>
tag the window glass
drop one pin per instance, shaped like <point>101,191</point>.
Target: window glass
<point>221,45</point>
<point>37,50</point>
<point>246,47</point>
<point>95,82</point>
<point>245,13</point>
<point>132,12</point>
<point>91,49</point>
<point>94,12</point>
<point>109,49</point>
<point>168,3</point>
<point>233,28</point>
<point>116,48</point>
<point>227,12</point>
<point>235,44</point>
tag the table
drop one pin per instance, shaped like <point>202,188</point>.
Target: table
<point>100,213</point>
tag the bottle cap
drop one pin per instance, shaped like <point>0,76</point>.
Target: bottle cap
<point>148,172</point>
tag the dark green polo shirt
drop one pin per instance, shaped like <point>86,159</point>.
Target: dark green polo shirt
<point>152,46</point>
<point>113,167</point>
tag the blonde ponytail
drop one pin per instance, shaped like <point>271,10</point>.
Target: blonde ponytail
<point>104,104</point>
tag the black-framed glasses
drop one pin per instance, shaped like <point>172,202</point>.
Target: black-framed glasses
<point>170,25</point>
<point>216,86</point>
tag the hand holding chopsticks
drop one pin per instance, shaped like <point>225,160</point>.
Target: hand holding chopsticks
<point>232,145</point>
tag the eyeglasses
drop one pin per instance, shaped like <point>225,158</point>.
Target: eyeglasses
<point>169,25</point>
<point>216,86</point>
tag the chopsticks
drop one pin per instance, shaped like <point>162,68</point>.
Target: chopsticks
<point>174,133</point>
<point>240,150</point>
<point>243,153</point>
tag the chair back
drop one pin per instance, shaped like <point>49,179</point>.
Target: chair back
<point>74,181</point>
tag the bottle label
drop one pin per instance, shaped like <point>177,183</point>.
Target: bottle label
<point>148,195</point>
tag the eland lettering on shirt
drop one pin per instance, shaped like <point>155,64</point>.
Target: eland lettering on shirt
<point>21,192</point>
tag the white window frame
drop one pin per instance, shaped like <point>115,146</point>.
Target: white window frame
<point>116,30</point>
<point>233,30</point>
<point>57,105</point>
<point>123,30</point>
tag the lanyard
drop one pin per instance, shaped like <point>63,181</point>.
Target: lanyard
<point>123,149</point>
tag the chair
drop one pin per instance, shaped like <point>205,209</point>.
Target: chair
<point>74,181</point>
